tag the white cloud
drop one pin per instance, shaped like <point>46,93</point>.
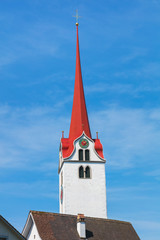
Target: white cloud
<point>134,53</point>
<point>36,38</point>
<point>6,59</point>
<point>155,173</point>
<point>146,71</point>
<point>130,193</point>
<point>29,190</point>
<point>130,136</point>
<point>29,136</point>
<point>149,225</point>
<point>131,89</point>
<point>120,88</point>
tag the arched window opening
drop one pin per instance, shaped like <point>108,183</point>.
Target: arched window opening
<point>80,155</point>
<point>87,172</point>
<point>81,172</point>
<point>87,155</point>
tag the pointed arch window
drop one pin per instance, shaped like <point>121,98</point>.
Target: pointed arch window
<point>80,155</point>
<point>83,155</point>
<point>87,155</point>
<point>81,172</point>
<point>87,172</point>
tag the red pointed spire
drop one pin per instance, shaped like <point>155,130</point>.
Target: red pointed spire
<point>79,119</point>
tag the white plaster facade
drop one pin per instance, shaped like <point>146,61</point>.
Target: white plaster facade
<point>83,195</point>
<point>8,232</point>
<point>30,231</point>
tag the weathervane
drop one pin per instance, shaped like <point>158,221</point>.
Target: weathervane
<point>77,17</point>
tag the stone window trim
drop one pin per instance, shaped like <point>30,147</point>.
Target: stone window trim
<point>84,155</point>
<point>84,172</point>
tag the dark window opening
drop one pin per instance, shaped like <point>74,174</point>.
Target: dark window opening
<point>81,172</point>
<point>87,172</point>
<point>80,155</point>
<point>87,155</point>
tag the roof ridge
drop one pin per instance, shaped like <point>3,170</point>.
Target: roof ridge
<point>73,216</point>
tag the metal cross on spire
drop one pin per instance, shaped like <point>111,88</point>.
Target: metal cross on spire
<point>77,17</point>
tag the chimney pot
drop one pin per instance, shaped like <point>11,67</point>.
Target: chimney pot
<point>81,225</point>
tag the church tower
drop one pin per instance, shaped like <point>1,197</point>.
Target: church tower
<point>82,183</point>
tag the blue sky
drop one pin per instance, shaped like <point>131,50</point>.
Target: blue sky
<point>120,57</point>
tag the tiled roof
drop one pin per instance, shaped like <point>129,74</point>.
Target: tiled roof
<point>52,226</point>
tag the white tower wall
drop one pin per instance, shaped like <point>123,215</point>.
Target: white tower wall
<point>83,195</point>
<point>87,196</point>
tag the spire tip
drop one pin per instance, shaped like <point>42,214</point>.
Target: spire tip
<point>77,17</point>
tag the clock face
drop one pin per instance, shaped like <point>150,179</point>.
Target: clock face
<point>61,196</point>
<point>83,143</point>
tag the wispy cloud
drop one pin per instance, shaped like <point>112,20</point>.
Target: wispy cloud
<point>147,71</point>
<point>152,225</point>
<point>125,88</point>
<point>29,190</point>
<point>6,59</point>
<point>128,135</point>
<point>141,187</point>
<point>151,69</point>
<point>147,229</point>
<point>101,87</point>
<point>29,134</point>
<point>134,54</point>
<point>155,173</point>
<point>32,40</point>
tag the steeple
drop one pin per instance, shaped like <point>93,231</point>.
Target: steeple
<point>79,118</point>
<point>82,185</point>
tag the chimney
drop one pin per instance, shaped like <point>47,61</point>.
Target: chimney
<point>81,225</point>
